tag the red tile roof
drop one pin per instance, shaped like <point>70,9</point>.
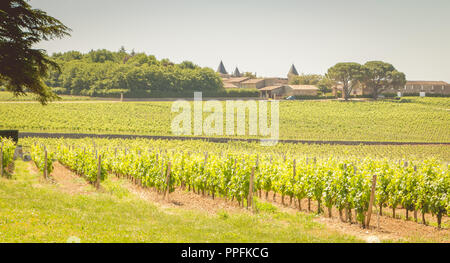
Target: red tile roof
<point>253,81</point>
<point>304,87</point>
<point>235,80</point>
<point>424,82</point>
<point>271,88</point>
<point>228,85</point>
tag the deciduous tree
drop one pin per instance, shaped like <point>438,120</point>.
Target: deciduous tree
<point>347,74</point>
<point>379,76</point>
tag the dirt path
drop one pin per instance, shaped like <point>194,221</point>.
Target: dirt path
<point>180,198</point>
<point>66,180</point>
<point>69,182</point>
<point>383,227</point>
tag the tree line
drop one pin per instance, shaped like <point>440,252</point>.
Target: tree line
<point>107,73</point>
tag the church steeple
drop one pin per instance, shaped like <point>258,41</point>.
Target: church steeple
<point>293,71</point>
<point>221,69</point>
<point>236,73</point>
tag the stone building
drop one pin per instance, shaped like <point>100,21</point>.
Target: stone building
<point>429,87</point>
<point>279,86</point>
<point>357,90</point>
<point>410,88</point>
<point>253,84</point>
<point>275,81</point>
<point>234,82</point>
<point>282,91</point>
<point>274,92</point>
<point>303,90</point>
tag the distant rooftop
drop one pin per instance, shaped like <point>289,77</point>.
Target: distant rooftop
<point>293,71</point>
<point>304,87</point>
<point>252,81</point>
<point>272,87</point>
<point>221,69</point>
<point>235,80</point>
<point>229,85</point>
<point>425,82</point>
<point>236,73</point>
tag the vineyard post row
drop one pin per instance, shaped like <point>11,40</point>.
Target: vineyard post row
<point>7,149</point>
<point>166,191</point>
<point>99,171</point>
<point>334,183</point>
<point>1,161</point>
<point>45,163</point>
<point>43,160</point>
<point>372,197</point>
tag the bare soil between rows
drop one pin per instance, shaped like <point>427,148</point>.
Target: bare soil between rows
<point>382,227</point>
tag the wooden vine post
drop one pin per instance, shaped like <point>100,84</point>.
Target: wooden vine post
<point>293,178</point>
<point>45,163</point>
<point>372,199</point>
<point>204,168</point>
<point>293,170</point>
<point>166,192</point>
<point>1,161</point>
<point>250,191</point>
<point>99,171</point>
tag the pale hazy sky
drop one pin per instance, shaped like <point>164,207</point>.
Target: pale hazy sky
<point>262,36</point>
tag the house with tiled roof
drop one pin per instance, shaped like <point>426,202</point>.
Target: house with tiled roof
<point>430,87</point>
<point>228,85</point>
<point>274,92</point>
<point>282,91</point>
<point>235,81</point>
<point>303,90</point>
<point>253,83</point>
<point>412,87</point>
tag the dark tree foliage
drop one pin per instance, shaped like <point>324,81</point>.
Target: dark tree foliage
<point>23,68</point>
<point>379,76</point>
<point>347,74</point>
<point>107,74</point>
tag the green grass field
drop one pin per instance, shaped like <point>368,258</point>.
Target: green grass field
<point>37,211</point>
<point>8,96</point>
<point>395,152</point>
<point>413,119</point>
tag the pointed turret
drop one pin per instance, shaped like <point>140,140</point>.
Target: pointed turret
<point>293,71</point>
<point>221,69</point>
<point>236,73</point>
